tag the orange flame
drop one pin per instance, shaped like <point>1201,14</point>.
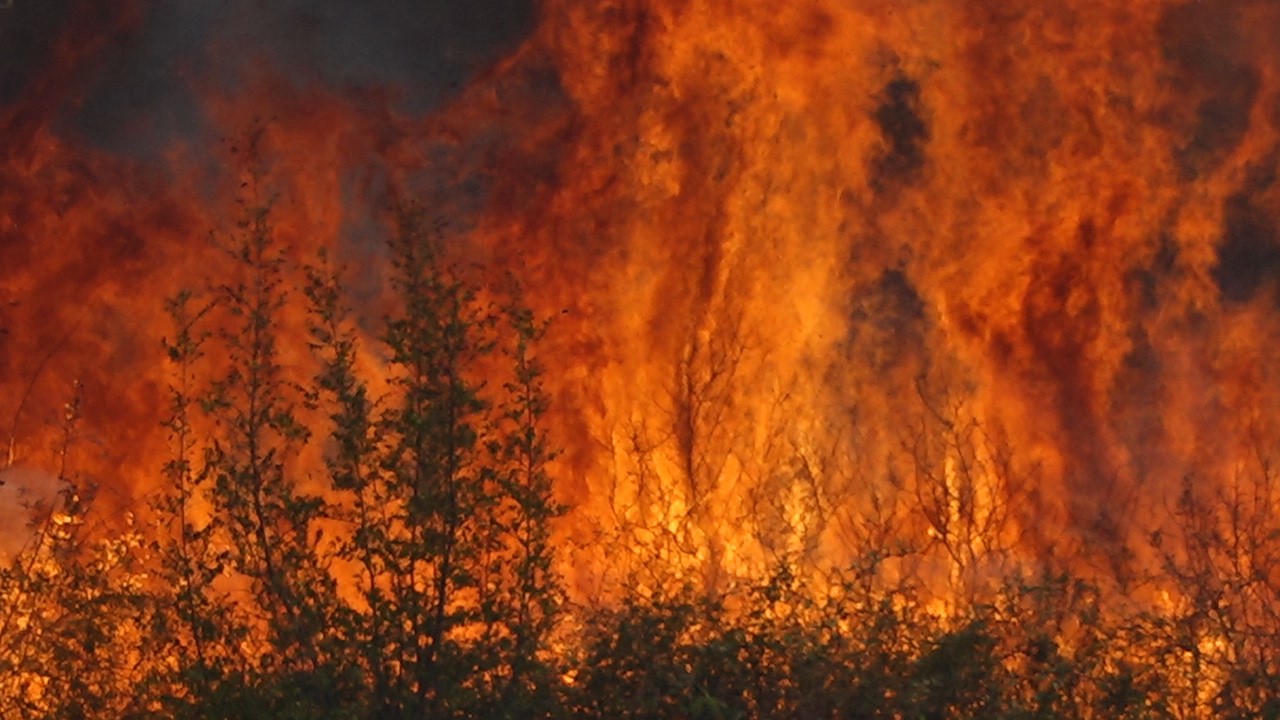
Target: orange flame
<point>998,275</point>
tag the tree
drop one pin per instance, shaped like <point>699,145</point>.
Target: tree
<point>196,623</point>
<point>264,526</point>
<point>444,488</point>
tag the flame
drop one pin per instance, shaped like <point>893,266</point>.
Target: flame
<point>845,229</point>
<point>998,275</point>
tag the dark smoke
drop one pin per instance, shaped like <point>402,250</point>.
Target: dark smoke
<point>27,34</point>
<point>137,94</point>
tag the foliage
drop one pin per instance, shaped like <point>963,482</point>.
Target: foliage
<point>358,523</point>
<point>74,611</point>
<point>447,499</point>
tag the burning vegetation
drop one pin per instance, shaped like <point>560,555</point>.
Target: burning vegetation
<point>640,358</point>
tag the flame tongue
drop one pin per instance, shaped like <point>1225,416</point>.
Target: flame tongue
<point>791,228</point>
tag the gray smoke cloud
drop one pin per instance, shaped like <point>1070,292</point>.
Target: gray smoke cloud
<point>135,94</point>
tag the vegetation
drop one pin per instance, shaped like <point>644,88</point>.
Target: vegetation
<point>328,542</point>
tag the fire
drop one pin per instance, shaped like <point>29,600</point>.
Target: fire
<point>996,275</point>
<point>833,223</point>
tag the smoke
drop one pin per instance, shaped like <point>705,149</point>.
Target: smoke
<point>424,52</point>
<point>27,32</point>
<point>22,491</point>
